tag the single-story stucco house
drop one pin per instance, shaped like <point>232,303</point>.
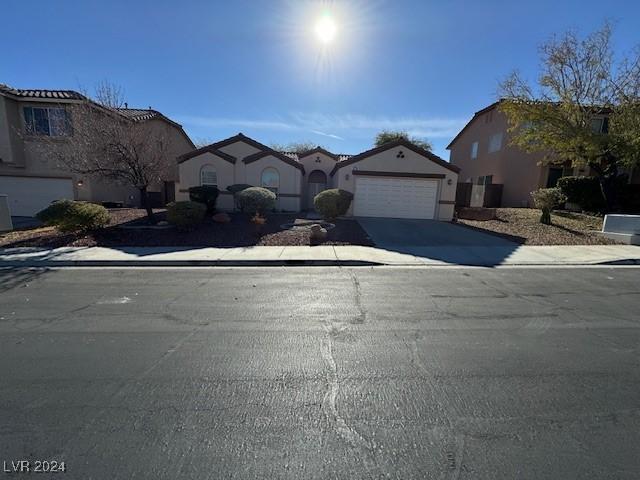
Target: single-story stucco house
<point>395,180</point>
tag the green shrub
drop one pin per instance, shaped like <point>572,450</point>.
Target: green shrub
<point>70,216</point>
<point>585,191</point>
<point>206,194</point>
<point>185,215</point>
<point>547,199</point>
<point>256,200</point>
<point>332,203</point>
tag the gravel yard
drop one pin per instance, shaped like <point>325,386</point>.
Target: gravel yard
<point>238,233</point>
<point>523,225</point>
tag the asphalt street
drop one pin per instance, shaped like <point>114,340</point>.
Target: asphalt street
<point>446,373</point>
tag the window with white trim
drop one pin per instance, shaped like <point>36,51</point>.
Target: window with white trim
<point>474,150</point>
<point>270,179</point>
<point>208,176</point>
<point>495,142</point>
<point>50,122</point>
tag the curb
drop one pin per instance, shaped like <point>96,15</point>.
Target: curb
<point>287,263</point>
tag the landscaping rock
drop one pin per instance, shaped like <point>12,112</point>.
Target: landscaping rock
<point>221,218</point>
<point>318,233</point>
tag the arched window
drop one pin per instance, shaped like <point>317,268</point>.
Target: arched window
<point>208,176</point>
<point>270,179</point>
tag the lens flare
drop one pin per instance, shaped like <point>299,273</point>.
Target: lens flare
<point>326,29</point>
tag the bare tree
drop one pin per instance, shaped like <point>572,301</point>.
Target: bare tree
<point>105,144</point>
<point>295,147</point>
<point>109,95</point>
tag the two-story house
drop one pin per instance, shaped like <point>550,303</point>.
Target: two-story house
<point>484,155</point>
<point>32,180</point>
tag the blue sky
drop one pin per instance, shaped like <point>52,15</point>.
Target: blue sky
<point>256,66</point>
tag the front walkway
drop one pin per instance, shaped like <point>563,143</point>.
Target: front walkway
<point>487,256</point>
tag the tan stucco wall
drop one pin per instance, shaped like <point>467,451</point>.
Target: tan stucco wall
<point>518,171</point>
<point>411,163</point>
<point>316,161</point>
<point>230,174</point>
<point>290,181</point>
<point>190,177</point>
<point>30,158</point>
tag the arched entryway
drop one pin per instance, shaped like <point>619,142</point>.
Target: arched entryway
<point>316,183</point>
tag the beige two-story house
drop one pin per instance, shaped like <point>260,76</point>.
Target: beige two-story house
<point>32,180</point>
<point>484,155</point>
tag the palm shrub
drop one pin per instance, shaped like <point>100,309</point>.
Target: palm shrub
<point>205,194</point>
<point>185,215</point>
<point>332,203</point>
<point>547,199</point>
<point>256,200</point>
<point>71,216</point>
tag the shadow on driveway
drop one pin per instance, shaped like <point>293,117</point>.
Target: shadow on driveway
<point>439,241</point>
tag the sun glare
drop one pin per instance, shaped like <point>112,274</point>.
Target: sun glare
<point>326,29</point>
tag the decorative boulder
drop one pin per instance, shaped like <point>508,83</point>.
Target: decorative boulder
<point>318,233</point>
<point>221,218</point>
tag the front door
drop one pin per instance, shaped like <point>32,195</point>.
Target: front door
<point>317,183</point>
<point>314,189</point>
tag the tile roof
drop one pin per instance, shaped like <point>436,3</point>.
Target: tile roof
<point>139,114</point>
<point>40,93</point>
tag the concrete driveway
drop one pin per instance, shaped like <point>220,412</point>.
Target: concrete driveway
<point>397,232</point>
<point>438,241</point>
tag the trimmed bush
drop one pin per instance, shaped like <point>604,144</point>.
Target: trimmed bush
<point>185,215</point>
<point>70,216</point>
<point>235,189</point>
<point>547,199</point>
<point>332,203</point>
<point>256,200</point>
<point>207,195</point>
<point>585,191</point>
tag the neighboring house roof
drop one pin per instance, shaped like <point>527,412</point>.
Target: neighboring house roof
<point>135,114</point>
<point>396,143</point>
<point>597,110</point>
<point>40,93</point>
<point>475,115</point>
<point>146,114</point>
<point>139,114</point>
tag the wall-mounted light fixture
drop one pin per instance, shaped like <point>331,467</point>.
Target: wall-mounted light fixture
<point>449,182</point>
<point>80,183</point>
<point>346,177</point>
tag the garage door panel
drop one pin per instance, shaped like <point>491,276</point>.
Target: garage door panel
<point>395,197</point>
<point>28,195</point>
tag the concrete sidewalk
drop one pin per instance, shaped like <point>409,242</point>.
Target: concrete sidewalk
<point>321,255</point>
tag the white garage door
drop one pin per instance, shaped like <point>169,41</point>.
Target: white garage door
<point>29,195</point>
<point>395,197</point>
